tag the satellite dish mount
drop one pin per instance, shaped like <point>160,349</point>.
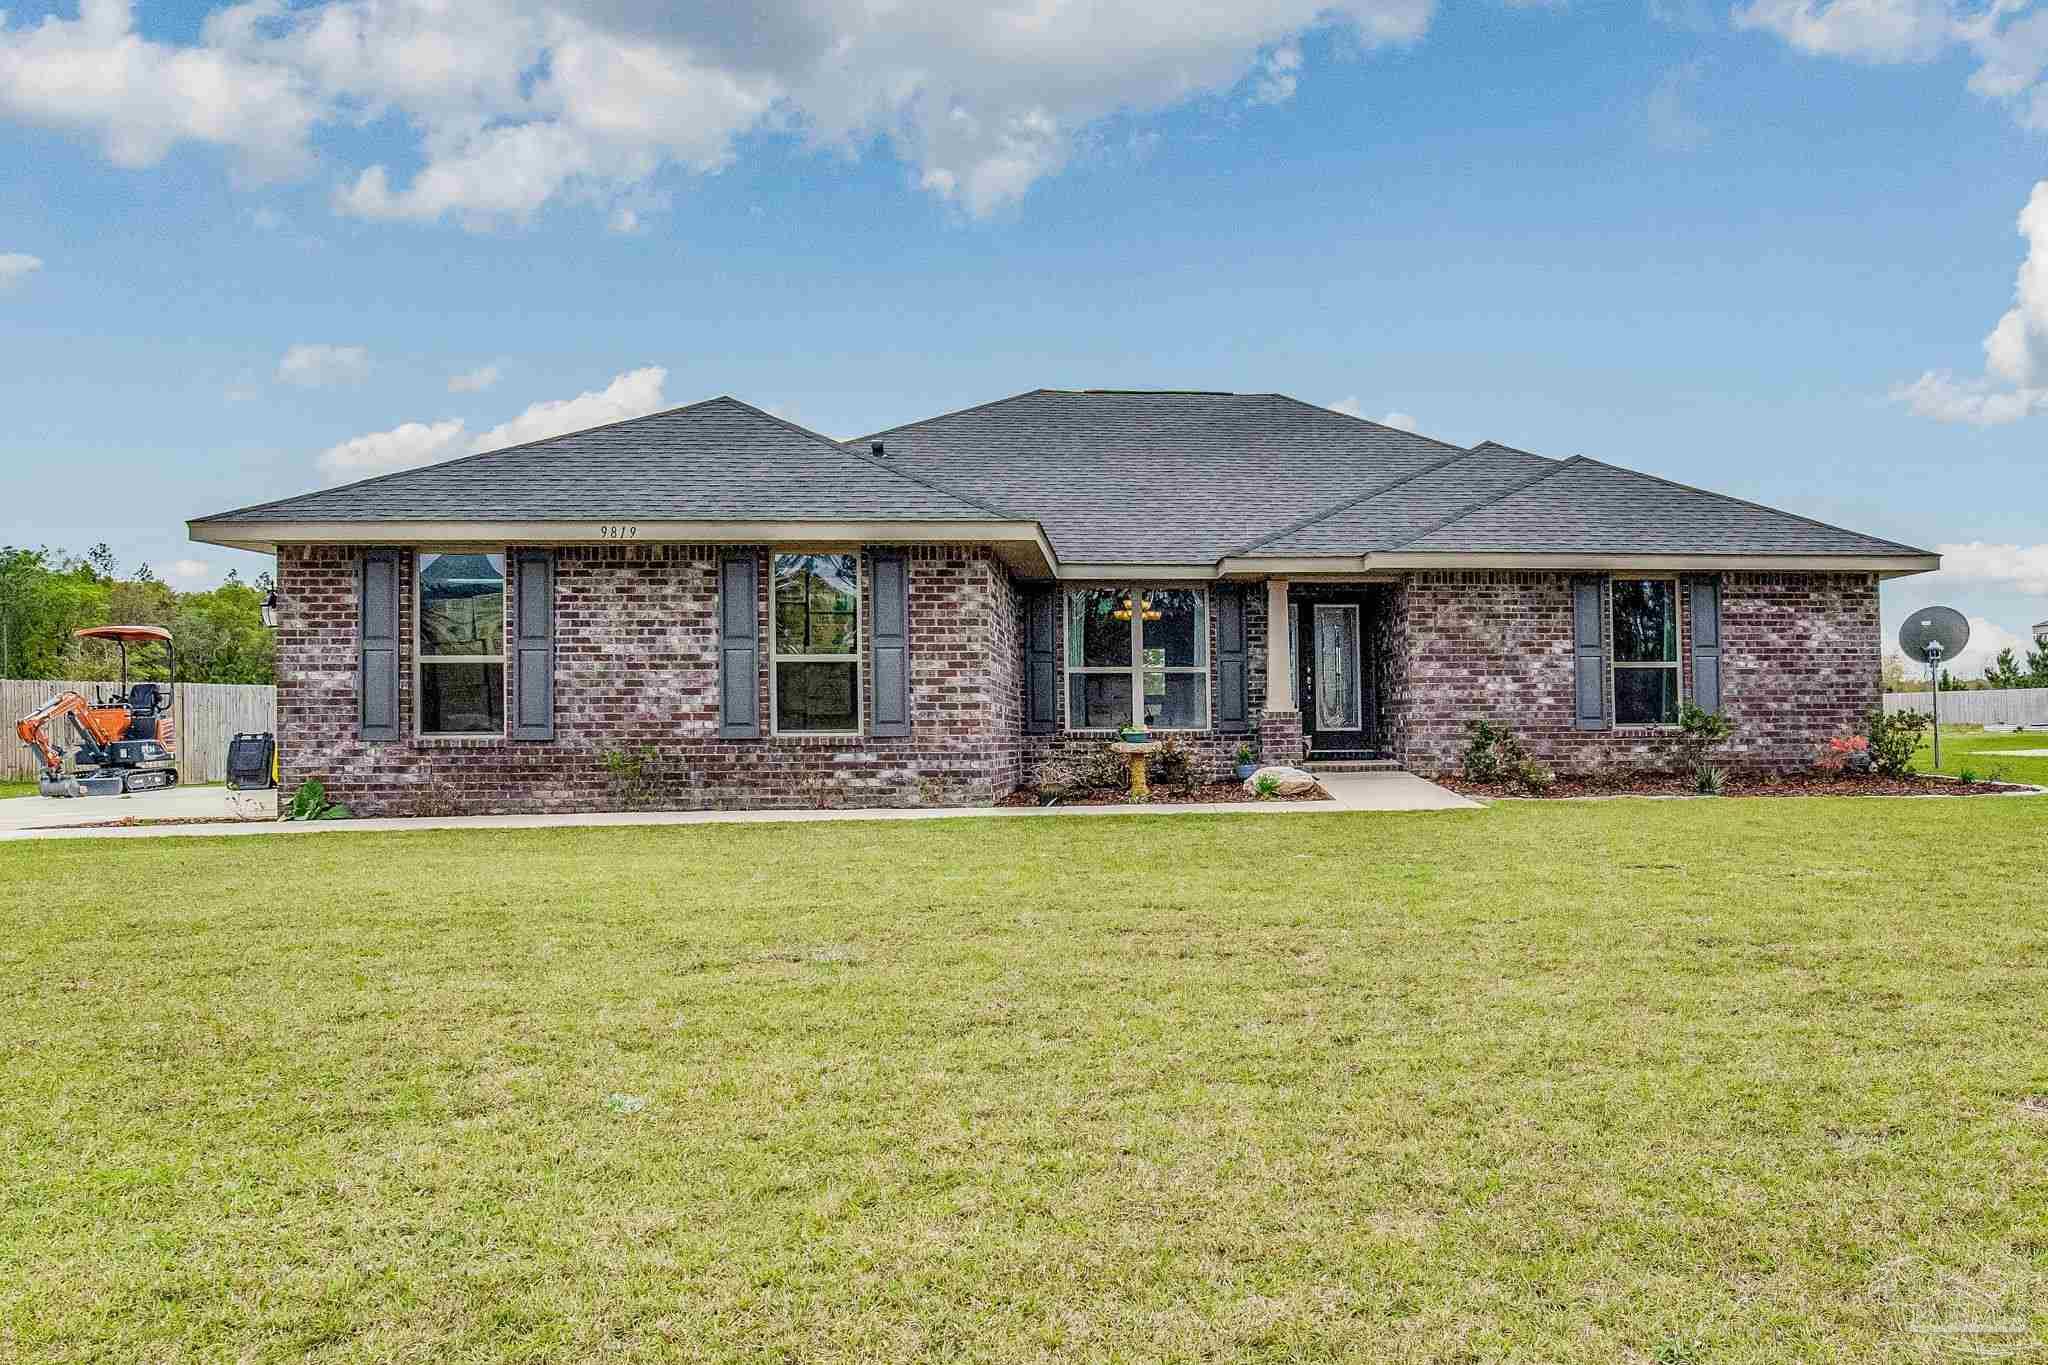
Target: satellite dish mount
<point>1931,635</point>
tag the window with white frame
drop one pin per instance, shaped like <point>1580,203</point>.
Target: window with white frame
<point>1138,655</point>
<point>815,677</point>
<point>1646,673</point>
<point>459,653</point>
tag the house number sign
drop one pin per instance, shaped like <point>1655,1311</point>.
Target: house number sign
<point>618,530</point>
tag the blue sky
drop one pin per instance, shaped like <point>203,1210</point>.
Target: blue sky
<point>249,251</point>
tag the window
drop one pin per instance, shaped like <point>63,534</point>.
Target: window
<point>460,678</point>
<point>816,674</point>
<point>1136,653</point>
<point>1646,682</point>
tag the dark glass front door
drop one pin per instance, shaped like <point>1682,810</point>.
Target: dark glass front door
<point>1336,690</point>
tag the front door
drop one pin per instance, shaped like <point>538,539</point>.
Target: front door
<point>1336,696</point>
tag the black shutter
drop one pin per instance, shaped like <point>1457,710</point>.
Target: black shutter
<point>377,644</point>
<point>1233,696</point>
<point>1706,643</point>
<point>533,646</point>
<point>1589,655</point>
<point>889,669</point>
<point>739,647</point>
<point>1041,663</point>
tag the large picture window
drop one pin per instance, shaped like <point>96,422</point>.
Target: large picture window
<point>1646,681</point>
<point>1138,655</point>
<point>816,675</point>
<point>460,682</point>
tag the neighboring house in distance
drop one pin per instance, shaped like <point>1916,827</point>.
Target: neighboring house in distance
<point>923,615</point>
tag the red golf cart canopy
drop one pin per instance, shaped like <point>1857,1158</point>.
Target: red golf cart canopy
<point>125,634</point>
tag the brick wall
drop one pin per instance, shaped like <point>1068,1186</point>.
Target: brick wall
<point>1215,751</point>
<point>1799,663</point>
<point>637,669</point>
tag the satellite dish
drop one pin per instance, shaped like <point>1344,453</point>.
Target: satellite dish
<point>1934,633</point>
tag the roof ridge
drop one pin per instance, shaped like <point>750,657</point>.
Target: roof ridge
<point>499,450</point>
<point>1557,467</point>
<point>1489,442</point>
<point>956,412</point>
<point>1351,502</point>
<point>846,448</point>
<point>1367,421</point>
<point>1758,506</point>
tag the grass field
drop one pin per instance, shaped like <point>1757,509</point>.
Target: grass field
<point>1989,756</point>
<point>1624,1081</point>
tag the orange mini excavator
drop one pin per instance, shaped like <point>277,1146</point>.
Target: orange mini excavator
<point>125,741</point>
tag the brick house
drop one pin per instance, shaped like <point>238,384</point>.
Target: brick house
<point>711,607</point>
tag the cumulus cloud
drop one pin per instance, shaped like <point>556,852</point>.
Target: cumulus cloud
<point>474,381</point>
<point>2023,568</point>
<point>1987,638</point>
<point>16,266</point>
<point>521,103</point>
<point>2008,40</point>
<point>632,394</point>
<point>1352,407</point>
<point>2015,353</point>
<point>187,573</point>
<point>314,365</point>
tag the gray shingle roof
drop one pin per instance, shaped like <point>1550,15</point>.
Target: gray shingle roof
<point>716,460</point>
<point>1390,517</point>
<point>1585,506</point>
<point>1157,477</point>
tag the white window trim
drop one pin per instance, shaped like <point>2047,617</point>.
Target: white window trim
<point>420,658</point>
<point>857,659</point>
<point>1136,669</point>
<point>1676,665</point>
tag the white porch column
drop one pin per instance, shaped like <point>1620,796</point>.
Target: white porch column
<point>1279,649</point>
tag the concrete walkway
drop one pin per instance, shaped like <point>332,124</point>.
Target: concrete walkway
<point>179,803</point>
<point>1350,793</point>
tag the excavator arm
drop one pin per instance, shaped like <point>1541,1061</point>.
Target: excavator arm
<point>35,728</point>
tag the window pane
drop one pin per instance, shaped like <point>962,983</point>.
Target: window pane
<point>462,699</point>
<point>1098,628</point>
<point>462,604</point>
<point>1646,696</point>
<point>1177,701</point>
<point>1098,701</point>
<point>1645,621</point>
<point>1176,628</point>
<point>816,600</point>
<point>817,697</point>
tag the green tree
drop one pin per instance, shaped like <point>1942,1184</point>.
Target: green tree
<point>2037,663</point>
<point>2005,671</point>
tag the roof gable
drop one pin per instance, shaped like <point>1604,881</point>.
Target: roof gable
<point>720,459</point>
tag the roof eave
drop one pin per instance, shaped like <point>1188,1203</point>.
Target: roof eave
<point>1884,565</point>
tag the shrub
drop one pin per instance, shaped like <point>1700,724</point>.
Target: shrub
<point>1709,779</point>
<point>1844,753</point>
<point>635,773</point>
<point>1699,730</point>
<point>1244,753</point>
<point>1893,739</point>
<point>1967,776</point>
<point>1173,767</point>
<point>1100,766</point>
<point>1265,786</point>
<point>1492,753</point>
<point>1535,776</point>
<point>310,802</point>
<point>1057,777</point>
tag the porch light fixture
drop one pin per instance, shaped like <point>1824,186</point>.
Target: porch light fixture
<point>270,611</point>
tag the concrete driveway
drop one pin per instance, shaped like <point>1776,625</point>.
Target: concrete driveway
<point>22,813</point>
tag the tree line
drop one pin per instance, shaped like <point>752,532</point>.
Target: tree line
<point>2003,672</point>
<point>46,594</point>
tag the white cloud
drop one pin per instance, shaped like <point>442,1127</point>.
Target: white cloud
<point>517,104</point>
<point>2023,568</point>
<point>2015,353</point>
<point>187,573</point>
<point>16,266</point>
<point>1353,407</point>
<point>96,76</point>
<point>474,381</point>
<point>1986,639</point>
<point>632,394</point>
<point>314,365</point>
<point>1403,420</point>
<point>2008,42</point>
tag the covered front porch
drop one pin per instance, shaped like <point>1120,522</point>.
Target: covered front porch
<point>1329,670</point>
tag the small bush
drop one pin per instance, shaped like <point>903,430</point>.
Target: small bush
<point>1535,776</point>
<point>1492,753</point>
<point>1101,767</point>
<point>1265,786</point>
<point>1893,739</point>
<point>1699,731</point>
<point>1057,777</point>
<point>1244,753</point>
<point>1709,779</point>
<point>1968,776</point>
<point>1173,767</point>
<point>1844,754</point>
<point>310,802</point>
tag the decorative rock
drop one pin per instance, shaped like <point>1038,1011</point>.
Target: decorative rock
<point>1287,781</point>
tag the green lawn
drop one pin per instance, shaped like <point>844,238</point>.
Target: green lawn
<point>1989,756</point>
<point>1623,1081</point>
<point>8,789</point>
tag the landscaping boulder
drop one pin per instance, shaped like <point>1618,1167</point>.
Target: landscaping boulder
<point>1286,781</point>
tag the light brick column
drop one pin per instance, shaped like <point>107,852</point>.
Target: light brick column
<point>1280,726</point>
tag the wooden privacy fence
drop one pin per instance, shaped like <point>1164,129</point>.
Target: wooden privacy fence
<point>1995,706</point>
<point>209,714</point>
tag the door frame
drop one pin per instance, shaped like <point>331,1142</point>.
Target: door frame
<point>1301,622</point>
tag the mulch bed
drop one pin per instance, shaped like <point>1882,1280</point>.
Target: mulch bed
<point>1215,792</point>
<point>1738,784</point>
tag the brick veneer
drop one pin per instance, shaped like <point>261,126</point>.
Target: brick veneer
<point>637,668</point>
<point>1799,662</point>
